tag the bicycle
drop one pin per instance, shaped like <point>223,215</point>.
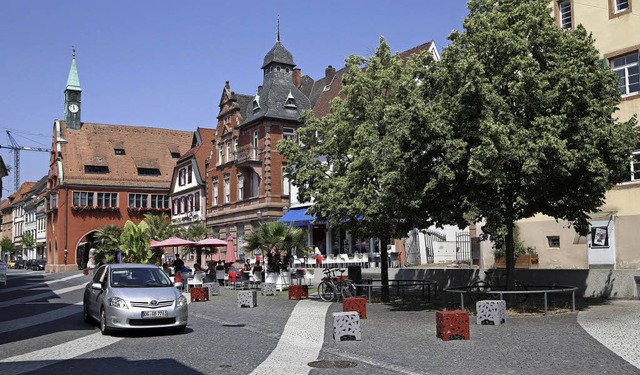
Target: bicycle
<point>331,288</point>
<point>490,286</point>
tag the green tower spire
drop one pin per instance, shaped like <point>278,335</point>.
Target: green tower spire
<point>72,97</point>
<point>73,82</point>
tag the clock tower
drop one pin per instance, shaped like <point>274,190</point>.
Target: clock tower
<point>72,97</point>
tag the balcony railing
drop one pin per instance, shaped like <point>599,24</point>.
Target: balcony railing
<point>248,155</point>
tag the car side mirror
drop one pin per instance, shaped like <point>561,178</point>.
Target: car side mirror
<point>97,286</point>
<point>178,284</point>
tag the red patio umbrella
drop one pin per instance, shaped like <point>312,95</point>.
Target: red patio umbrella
<point>172,242</point>
<point>230,256</point>
<point>211,242</point>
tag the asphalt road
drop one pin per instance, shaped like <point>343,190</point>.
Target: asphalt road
<point>41,331</point>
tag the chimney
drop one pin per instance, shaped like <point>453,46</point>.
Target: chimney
<point>329,73</point>
<point>297,79</point>
<point>259,89</point>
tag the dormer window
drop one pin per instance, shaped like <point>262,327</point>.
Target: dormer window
<point>256,103</point>
<point>290,102</point>
<point>96,169</point>
<point>148,172</point>
<point>119,151</point>
<point>277,69</point>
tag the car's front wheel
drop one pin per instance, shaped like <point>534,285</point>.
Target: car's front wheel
<point>104,329</point>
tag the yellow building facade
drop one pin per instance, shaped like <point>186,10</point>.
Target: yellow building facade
<point>614,238</point>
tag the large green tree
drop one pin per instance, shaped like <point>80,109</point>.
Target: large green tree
<point>28,241</point>
<point>532,108</point>
<point>358,162</point>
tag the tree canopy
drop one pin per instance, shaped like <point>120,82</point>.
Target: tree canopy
<point>533,108</point>
<point>515,120</point>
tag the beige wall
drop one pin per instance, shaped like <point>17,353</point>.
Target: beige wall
<point>613,35</point>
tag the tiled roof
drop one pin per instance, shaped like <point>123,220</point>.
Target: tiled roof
<point>416,49</point>
<point>144,147</point>
<point>22,192</point>
<point>323,92</point>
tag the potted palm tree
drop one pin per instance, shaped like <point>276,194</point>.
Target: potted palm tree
<point>276,240</point>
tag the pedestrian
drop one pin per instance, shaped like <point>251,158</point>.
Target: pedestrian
<point>178,264</point>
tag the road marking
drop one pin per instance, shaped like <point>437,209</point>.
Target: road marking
<point>16,324</point>
<point>51,293</point>
<point>303,336</point>
<point>41,358</point>
<point>33,286</point>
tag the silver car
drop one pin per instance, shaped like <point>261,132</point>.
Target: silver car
<point>133,296</point>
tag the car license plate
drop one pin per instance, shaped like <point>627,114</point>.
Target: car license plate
<point>154,314</point>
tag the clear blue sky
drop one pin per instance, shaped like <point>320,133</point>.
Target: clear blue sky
<point>164,63</point>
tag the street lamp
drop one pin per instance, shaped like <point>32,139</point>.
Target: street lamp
<point>65,257</point>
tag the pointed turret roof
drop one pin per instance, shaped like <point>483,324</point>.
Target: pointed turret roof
<point>73,82</point>
<point>278,53</point>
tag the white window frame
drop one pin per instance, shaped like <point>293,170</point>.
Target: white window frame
<point>624,69</point>
<point>219,154</point>
<point>214,192</point>
<point>289,133</point>
<point>618,6</point>
<point>565,14</point>
<point>227,151</point>
<point>286,184</point>
<point>634,166</point>
<point>240,187</point>
<point>227,190</point>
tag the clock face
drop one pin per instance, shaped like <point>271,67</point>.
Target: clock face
<point>73,108</point>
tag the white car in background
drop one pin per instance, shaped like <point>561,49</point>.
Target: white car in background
<point>134,296</point>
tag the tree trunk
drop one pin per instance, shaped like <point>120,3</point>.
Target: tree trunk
<point>510,256</point>
<point>384,272</point>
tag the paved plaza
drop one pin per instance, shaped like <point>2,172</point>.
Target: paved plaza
<point>41,331</point>
<point>396,340</point>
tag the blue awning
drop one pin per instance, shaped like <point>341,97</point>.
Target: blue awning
<point>297,217</point>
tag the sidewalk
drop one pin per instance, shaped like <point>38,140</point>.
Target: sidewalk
<point>399,340</point>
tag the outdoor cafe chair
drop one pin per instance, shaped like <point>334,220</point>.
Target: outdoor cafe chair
<point>196,280</point>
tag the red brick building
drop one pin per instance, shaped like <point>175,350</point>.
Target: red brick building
<point>103,174</point>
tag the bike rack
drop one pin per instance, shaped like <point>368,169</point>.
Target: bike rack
<point>545,289</point>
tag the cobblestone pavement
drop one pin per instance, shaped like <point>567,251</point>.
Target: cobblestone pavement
<point>398,339</point>
<point>617,326</point>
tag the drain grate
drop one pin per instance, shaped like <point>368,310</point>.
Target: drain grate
<point>332,364</point>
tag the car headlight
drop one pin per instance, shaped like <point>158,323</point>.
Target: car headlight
<point>182,300</point>
<point>118,302</point>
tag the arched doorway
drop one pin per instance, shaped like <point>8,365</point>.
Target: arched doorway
<point>86,243</point>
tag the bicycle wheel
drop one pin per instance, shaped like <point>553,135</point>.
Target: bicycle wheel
<point>477,289</point>
<point>326,291</point>
<point>347,290</point>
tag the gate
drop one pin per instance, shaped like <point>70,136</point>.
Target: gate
<point>463,247</point>
<point>429,237</point>
<point>412,250</point>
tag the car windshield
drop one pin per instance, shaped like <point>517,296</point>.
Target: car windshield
<point>139,278</point>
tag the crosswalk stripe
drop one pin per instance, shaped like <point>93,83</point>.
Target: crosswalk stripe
<point>51,293</point>
<point>303,335</point>
<point>16,324</point>
<point>31,286</point>
<point>41,358</point>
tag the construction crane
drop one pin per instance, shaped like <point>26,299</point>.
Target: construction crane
<point>16,148</point>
